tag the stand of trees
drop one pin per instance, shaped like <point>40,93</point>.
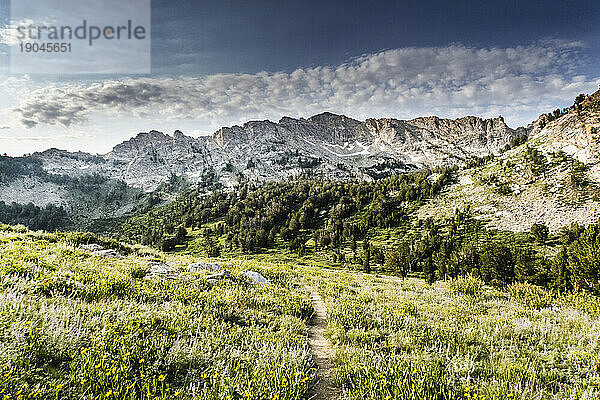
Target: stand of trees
<point>254,217</point>
<point>49,218</point>
<point>340,217</point>
<point>460,246</point>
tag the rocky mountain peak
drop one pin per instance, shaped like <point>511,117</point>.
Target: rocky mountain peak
<point>574,131</point>
<point>138,143</point>
<point>329,118</point>
<point>327,145</point>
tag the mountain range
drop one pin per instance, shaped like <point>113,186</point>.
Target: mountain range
<point>325,146</point>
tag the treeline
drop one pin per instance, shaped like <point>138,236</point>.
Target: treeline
<point>253,217</point>
<point>346,220</point>
<point>15,167</point>
<point>582,102</point>
<point>12,167</point>
<point>86,193</point>
<point>49,218</point>
<point>460,246</point>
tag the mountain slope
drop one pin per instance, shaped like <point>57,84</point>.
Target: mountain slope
<point>511,191</point>
<point>553,179</point>
<point>326,145</point>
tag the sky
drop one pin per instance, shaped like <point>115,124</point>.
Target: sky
<point>219,63</point>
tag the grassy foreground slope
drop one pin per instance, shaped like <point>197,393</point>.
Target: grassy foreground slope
<point>77,325</point>
<point>405,339</point>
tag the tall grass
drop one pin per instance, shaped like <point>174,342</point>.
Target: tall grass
<point>74,325</point>
<point>404,339</point>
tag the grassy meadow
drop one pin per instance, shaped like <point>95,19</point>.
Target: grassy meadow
<point>74,325</point>
<point>405,339</point>
<point>78,325</point>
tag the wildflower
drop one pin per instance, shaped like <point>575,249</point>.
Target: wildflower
<point>161,378</point>
<point>108,393</point>
<point>142,360</point>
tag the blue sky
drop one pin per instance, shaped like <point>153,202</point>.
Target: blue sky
<point>250,36</point>
<point>217,63</point>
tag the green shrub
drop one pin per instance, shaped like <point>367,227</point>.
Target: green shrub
<point>539,232</point>
<point>138,272</point>
<point>114,285</point>
<point>59,285</point>
<point>582,301</point>
<point>468,285</point>
<point>531,296</point>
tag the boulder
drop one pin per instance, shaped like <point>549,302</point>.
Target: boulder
<point>204,266</point>
<point>92,247</point>
<point>108,253</point>
<point>218,277</point>
<point>159,270</point>
<point>255,277</point>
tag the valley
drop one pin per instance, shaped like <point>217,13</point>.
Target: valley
<point>318,258</point>
<point>141,323</point>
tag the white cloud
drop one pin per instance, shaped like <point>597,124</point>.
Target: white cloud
<point>518,82</point>
<point>9,35</point>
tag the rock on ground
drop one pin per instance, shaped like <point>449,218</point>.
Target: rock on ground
<point>204,266</point>
<point>255,277</point>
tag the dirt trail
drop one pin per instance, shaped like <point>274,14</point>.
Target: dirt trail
<point>321,350</point>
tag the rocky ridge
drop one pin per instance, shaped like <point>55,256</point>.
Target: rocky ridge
<point>565,139</point>
<point>325,145</point>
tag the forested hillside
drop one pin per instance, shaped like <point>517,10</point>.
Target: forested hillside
<point>252,217</point>
<point>369,226</point>
<point>60,202</point>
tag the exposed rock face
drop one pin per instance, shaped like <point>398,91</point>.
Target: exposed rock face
<point>432,141</point>
<point>573,134</point>
<point>547,198</point>
<point>325,145</point>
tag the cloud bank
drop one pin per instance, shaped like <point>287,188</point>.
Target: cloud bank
<point>448,81</point>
